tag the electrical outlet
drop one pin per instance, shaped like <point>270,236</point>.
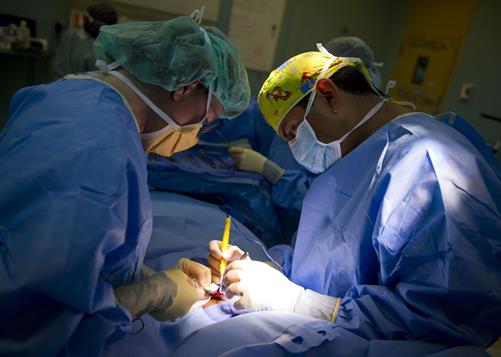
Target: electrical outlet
<point>466,90</point>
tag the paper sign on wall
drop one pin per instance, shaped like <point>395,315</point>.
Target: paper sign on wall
<point>254,29</point>
<point>177,7</point>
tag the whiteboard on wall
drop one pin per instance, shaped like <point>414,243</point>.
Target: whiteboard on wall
<point>254,28</point>
<point>177,7</point>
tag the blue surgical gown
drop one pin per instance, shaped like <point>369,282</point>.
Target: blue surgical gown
<point>271,211</point>
<point>290,190</point>
<point>406,229</point>
<point>75,218</point>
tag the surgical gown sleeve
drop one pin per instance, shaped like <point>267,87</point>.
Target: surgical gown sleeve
<point>290,189</point>
<point>437,225</point>
<point>75,218</point>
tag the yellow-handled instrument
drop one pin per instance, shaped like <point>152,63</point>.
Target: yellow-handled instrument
<point>225,244</point>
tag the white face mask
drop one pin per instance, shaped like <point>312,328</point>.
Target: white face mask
<point>315,155</point>
<point>306,148</point>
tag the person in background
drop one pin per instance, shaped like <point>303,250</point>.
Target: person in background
<point>351,46</point>
<point>75,52</point>
<point>75,210</point>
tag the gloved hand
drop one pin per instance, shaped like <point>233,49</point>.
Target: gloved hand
<point>168,294</point>
<point>145,272</point>
<point>233,253</point>
<point>250,160</point>
<point>261,287</point>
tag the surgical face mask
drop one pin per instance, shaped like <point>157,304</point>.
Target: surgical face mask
<point>306,148</point>
<point>315,155</point>
<point>168,141</point>
<point>173,137</point>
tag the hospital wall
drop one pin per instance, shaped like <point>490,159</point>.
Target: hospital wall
<point>17,71</point>
<point>479,64</point>
<point>380,23</point>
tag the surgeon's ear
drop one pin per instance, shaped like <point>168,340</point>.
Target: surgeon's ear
<point>182,92</point>
<point>328,89</point>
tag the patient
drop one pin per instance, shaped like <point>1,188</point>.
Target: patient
<point>214,301</point>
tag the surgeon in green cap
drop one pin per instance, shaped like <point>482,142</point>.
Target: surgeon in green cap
<point>76,212</point>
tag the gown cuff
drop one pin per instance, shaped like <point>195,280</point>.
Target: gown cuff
<point>313,304</point>
<point>272,172</point>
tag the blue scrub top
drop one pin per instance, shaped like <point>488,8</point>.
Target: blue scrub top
<point>75,218</point>
<point>406,228</point>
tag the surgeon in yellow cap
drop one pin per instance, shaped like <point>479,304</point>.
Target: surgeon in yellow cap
<point>290,186</point>
<point>399,233</point>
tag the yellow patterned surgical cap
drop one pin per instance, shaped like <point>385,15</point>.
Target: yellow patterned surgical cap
<point>293,80</point>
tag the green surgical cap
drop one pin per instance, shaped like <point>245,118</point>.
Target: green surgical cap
<point>173,53</point>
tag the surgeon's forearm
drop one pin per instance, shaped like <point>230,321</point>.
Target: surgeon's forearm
<point>316,305</point>
<point>146,295</point>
